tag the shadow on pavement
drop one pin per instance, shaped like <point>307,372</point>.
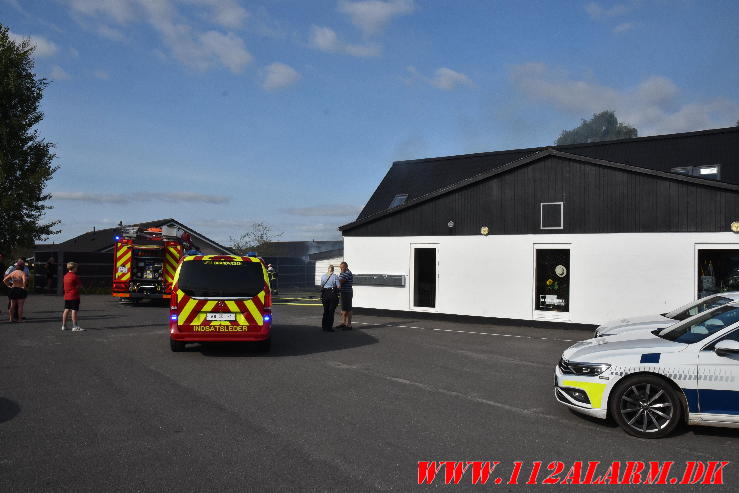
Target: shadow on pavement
<point>8,409</point>
<point>31,318</point>
<point>414,317</point>
<point>290,340</point>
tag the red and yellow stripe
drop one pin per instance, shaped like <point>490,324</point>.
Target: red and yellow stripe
<point>248,312</point>
<point>122,265</point>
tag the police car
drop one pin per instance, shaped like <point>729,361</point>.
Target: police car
<point>658,321</point>
<point>685,373</point>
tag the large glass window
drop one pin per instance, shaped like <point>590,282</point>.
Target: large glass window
<point>553,280</point>
<point>718,271</point>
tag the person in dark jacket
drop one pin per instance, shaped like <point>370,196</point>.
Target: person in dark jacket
<point>329,298</point>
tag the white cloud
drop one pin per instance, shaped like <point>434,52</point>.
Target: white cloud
<point>623,27</point>
<point>226,13</point>
<point>121,198</point>
<point>653,106</point>
<point>223,224</point>
<point>228,48</point>
<point>196,49</point>
<point>279,76</point>
<point>371,16</point>
<point>58,73</point>
<point>444,78</point>
<point>330,210</point>
<point>121,11</point>
<point>43,47</point>
<point>448,79</point>
<point>110,32</point>
<point>596,11</point>
<point>326,39</point>
<point>101,74</point>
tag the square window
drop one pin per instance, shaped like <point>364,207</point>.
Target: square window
<point>398,200</point>
<point>552,215</point>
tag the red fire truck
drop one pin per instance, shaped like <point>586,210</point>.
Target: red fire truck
<point>145,261</point>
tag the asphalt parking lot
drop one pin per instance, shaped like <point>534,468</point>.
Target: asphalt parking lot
<point>112,409</point>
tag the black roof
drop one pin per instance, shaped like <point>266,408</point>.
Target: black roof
<point>420,177</point>
<point>100,240</point>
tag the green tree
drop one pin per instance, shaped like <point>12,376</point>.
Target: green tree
<point>603,126</point>
<point>256,239</point>
<point>25,158</point>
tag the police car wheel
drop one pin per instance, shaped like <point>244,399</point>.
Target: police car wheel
<point>264,346</point>
<point>646,406</point>
<point>176,346</point>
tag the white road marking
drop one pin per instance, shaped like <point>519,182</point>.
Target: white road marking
<point>517,336</point>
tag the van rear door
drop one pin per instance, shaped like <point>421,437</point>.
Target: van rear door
<point>221,291</point>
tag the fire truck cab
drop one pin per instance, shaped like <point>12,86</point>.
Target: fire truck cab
<point>145,261</point>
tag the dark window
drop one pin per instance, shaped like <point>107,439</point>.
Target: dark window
<point>216,278</point>
<point>707,172</point>
<point>398,200</point>
<point>718,271</point>
<point>552,215</point>
<point>683,170</point>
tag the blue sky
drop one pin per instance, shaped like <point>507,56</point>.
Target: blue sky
<point>220,113</point>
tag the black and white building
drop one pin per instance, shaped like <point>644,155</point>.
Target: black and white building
<point>582,233</point>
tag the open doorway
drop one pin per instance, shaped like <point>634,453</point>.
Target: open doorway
<point>424,277</point>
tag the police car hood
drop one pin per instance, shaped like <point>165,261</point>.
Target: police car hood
<point>604,349</point>
<point>635,323</point>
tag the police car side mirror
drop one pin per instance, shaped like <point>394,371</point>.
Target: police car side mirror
<point>726,348</point>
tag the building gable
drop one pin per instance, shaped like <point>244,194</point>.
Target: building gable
<point>596,197</point>
<point>418,178</point>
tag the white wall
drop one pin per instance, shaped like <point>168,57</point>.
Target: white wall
<point>322,267</point>
<point>611,275</point>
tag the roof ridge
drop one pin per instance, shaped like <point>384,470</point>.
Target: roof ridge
<point>570,146</point>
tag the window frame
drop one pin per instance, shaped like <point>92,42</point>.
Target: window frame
<point>561,215</point>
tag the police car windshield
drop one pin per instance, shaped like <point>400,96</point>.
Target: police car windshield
<point>699,328</point>
<point>221,278</point>
<point>699,307</point>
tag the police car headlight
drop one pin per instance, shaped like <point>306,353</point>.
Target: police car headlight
<point>588,369</point>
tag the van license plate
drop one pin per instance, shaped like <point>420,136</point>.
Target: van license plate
<point>220,316</point>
